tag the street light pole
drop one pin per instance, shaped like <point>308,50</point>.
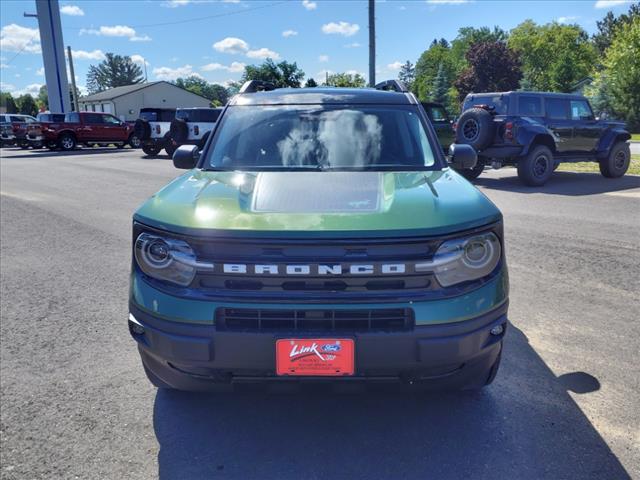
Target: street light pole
<point>73,81</point>
<point>372,43</point>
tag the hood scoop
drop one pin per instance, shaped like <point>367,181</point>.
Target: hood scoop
<point>317,192</point>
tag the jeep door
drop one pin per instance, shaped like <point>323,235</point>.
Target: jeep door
<point>559,122</point>
<point>586,130</point>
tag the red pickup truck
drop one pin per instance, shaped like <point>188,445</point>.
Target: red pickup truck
<point>88,128</point>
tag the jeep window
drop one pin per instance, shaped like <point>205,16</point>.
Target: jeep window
<point>580,110</point>
<point>500,103</point>
<point>556,108</point>
<point>321,137</point>
<point>72,118</point>
<point>199,116</point>
<point>530,106</point>
<point>437,114</point>
<point>158,115</point>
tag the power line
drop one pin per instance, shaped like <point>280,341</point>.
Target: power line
<point>197,19</point>
<point>22,49</point>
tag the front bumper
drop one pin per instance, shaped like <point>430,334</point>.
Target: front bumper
<point>199,357</point>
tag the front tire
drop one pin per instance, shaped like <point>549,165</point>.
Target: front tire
<point>617,162</point>
<point>151,150</point>
<point>536,168</point>
<point>67,142</point>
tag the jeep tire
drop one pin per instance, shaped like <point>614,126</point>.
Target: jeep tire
<point>134,141</point>
<point>473,173</point>
<point>536,168</point>
<point>475,128</point>
<point>179,131</point>
<point>151,150</point>
<point>617,162</point>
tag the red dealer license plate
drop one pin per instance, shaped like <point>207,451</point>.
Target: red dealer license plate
<point>315,356</point>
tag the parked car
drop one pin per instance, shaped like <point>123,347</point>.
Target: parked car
<point>152,128</point>
<point>89,128</point>
<point>320,234</point>
<point>441,122</point>
<point>536,131</point>
<point>17,134</point>
<point>192,126</point>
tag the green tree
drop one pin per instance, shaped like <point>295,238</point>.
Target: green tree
<point>310,83</point>
<point>427,68</point>
<point>217,94</point>
<point>623,73</point>
<point>600,96</point>
<point>441,86</point>
<point>554,57</point>
<point>493,67</point>
<point>346,80</point>
<point>608,25</point>
<point>27,105</point>
<point>113,71</point>
<point>407,74</point>
<point>8,103</point>
<point>282,74</point>
<point>43,97</point>
<point>468,36</point>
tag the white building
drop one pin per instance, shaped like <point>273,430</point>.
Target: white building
<point>126,102</point>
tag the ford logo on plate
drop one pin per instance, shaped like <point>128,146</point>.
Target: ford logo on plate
<point>331,347</point>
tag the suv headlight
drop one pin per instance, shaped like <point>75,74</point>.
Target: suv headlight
<point>464,259</point>
<point>165,258</point>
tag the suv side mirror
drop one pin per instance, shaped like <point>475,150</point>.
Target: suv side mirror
<point>186,157</point>
<point>462,157</point>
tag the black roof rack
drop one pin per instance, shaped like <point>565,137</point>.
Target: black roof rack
<point>253,86</point>
<point>392,85</point>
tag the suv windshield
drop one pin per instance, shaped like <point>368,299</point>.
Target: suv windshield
<point>367,137</point>
<point>205,115</point>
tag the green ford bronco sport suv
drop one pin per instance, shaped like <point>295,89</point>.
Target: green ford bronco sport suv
<point>319,236</point>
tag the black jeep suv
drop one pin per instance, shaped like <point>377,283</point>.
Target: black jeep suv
<point>535,131</point>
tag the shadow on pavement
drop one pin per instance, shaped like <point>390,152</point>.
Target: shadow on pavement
<point>43,153</point>
<point>523,426</point>
<point>563,183</point>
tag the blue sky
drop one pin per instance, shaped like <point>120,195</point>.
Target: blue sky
<point>216,38</point>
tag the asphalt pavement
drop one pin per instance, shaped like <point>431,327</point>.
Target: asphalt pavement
<point>75,402</point>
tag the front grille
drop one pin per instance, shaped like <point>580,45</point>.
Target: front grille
<point>359,320</point>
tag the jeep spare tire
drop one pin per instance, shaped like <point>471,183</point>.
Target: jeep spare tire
<point>179,131</point>
<point>142,129</point>
<point>475,128</point>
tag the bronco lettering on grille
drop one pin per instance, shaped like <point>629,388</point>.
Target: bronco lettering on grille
<point>319,269</point>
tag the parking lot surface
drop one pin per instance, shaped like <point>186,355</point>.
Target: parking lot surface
<point>76,404</point>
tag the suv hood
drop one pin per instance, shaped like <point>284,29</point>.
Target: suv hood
<point>431,202</point>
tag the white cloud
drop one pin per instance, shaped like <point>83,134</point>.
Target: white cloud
<point>341,28</point>
<point>231,45</point>
<point>289,33</point>
<point>143,38</point>
<point>322,75</point>
<point>235,67</point>
<point>84,55</point>
<point>323,58</point>
<point>17,75</point>
<point>31,89</point>
<point>40,71</point>
<point>7,87</point>
<point>352,45</point>
<point>4,65</point>
<point>175,3</point>
<point>609,3</point>
<point>139,59</point>
<point>395,65</point>
<point>263,53</point>
<point>72,10</point>
<point>568,19</point>
<point>116,31</point>
<point>14,38</point>
<point>168,73</point>
<point>309,5</point>
<point>447,2</point>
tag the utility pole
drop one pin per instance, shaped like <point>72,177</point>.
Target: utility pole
<point>73,81</point>
<point>372,43</point>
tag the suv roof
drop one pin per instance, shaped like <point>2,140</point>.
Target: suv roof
<point>322,95</point>
<point>523,92</point>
